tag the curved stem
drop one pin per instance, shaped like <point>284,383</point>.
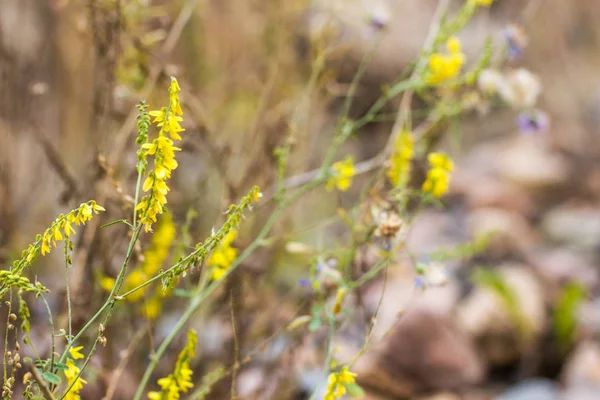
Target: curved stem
<point>198,300</point>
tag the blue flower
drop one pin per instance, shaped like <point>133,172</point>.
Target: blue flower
<point>305,283</point>
<point>531,122</point>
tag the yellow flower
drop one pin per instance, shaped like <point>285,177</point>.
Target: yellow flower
<point>181,379</point>
<point>399,168</point>
<point>152,308</point>
<point>60,229</point>
<point>438,177</point>
<point>482,2</point>
<point>445,66</point>
<point>75,352</point>
<point>154,258</point>
<point>163,150</point>
<point>342,174</point>
<point>336,383</point>
<point>339,298</point>
<point>223,256</point>
<point>71,374</point>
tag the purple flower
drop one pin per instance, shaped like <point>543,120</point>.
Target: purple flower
<point>305,283</point>
<point>531,122</point>
<point>380,17</point>
<point>516,41</point>
<point>420,282</point>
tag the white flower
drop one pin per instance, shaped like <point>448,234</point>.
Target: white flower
<point>520,89</point>
<point>432,275</point>
<point>490,81</point>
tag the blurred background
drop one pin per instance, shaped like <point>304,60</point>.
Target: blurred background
<point>519,320</point>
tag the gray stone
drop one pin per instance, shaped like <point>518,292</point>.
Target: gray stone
<point>535,389</point>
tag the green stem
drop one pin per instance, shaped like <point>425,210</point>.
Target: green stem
<point>198,300</point>
<point>108,305</point>
<point>137,196</point>
<point>69,315</point>
<point>372,273</point>
<point>329,355</point>
<point>51,333</point>
<point>110,301</point>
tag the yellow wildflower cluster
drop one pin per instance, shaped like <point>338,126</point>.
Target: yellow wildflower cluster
<point>398,171</point>
<point>342,174</point>
<point>181,379</point>
<point>438,177</point>
<point>445,66</point>
<point>336,383</point>
<point>60,229</point>
<point>339,299</point>
<point>221,258</point>
<point>481,2</point>
<point>162,149</point>
<point>71,374</point>
<point>153,260</point>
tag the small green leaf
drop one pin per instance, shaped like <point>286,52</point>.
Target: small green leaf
<point>314,324</point>
<point>124,221</point>
<point>41,363</point>
<point>60,366</point>
<point>52,378</point>
<point>354,389</point>
<point>564,317</point>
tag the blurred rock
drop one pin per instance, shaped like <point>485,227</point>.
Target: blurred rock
<point>372,396</point>
<point>401,294</point>
<point>558,266</point>
<point>534,389</point>
<point>441,396</point>
<point>249,382</point>
<point>589,318</point>
<point>577,227</point>
<point>583,366</point>
<point>482,191</point>
<point>423,352</point>
<point>512,231</point>
<point>530,165</point>
<point>430,230</point>
<point>580,393</point>
<point>485,316</point>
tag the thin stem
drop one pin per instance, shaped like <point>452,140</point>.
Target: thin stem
<point>363,349</point>
<point>45,391</point>
<point>346,127</point>
<point>110,301</point>
<point>372,273</point>
<point>198,300</point>
<point>236,346</point>
<point>70,331</point>
<point>52,341</point>
<point>283,162</point>
<point>329,355</point>
<point>9,304</point>
<point>108,305</point>
<point>137,196</point>
<point>165,343</point>
<point>362,68</point>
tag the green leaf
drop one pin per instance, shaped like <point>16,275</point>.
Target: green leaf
<point>314,324</point>
<point>60,366</point>
<point>354,389</point>
<point>564,317</point>
<point>52,378</point>
<point>494,281</point>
